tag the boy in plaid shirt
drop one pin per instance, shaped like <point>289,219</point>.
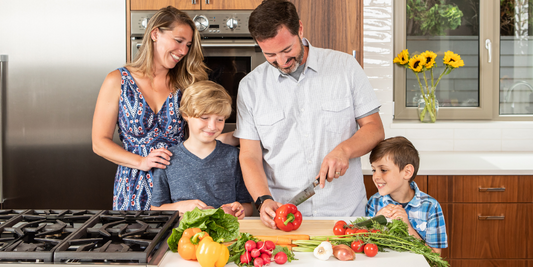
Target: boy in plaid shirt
<point>394,164</point>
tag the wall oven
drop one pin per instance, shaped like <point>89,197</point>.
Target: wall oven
<point>229,50</point>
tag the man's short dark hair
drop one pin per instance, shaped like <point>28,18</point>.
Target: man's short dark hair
<point>400,150</point>
<point>270,16</point>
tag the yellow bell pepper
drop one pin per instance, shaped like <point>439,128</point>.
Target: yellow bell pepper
<point>211,253</point>
<point>189,243</point>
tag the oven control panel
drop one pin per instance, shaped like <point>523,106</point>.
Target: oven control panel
<point>209,23</point>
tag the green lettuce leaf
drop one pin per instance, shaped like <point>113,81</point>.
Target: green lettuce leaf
<point>219,225</point>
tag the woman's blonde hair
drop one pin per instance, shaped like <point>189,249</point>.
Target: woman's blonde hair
<point>204,98</point>
<point>190,68</point>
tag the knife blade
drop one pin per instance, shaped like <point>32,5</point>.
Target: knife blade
<point>305,194</point>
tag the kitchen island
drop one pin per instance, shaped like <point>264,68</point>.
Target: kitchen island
<point>385,259</point>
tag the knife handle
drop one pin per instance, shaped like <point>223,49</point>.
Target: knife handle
<point>316,182</point>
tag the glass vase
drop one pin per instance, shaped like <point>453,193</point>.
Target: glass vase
<point>428,108</point>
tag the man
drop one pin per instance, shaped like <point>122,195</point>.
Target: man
<point>297,120</point>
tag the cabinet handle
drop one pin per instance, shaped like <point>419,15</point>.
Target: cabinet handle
<point>484,218</point>
<point>207,2</point>
<point>493,189</point>
<point>193,2</point>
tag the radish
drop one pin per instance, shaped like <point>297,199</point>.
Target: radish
<point>255,253</point>
<point>245,257</point>
<point>280,257</point>
<point>258,262</point>
<point>266,258</point>
<point>249,245</point>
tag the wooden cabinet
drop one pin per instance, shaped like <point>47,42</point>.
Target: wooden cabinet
<point>333,24</point>
<point>489,263</point>
<point>488,218</point>
<point>195,4</point>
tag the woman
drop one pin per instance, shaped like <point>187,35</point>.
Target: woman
<point>143,98</point>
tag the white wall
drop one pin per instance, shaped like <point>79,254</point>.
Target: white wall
<point>443,135</point>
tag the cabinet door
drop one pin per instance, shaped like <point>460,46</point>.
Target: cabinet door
<point>488,231</point>
<point>229,4</point>
<point>488,263</point>
<point>420,180</point>
<point>333,24</point>
<point>158,4</point>
<point>486,188</point>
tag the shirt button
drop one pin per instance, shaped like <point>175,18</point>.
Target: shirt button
<point>303,109</point>
<point>309,161</point>
<point>306,135</point>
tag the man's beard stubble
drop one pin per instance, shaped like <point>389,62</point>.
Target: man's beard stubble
<point>297,61</point>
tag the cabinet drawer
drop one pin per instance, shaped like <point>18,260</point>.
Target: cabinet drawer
<point>487,231</point>
<point>488,263</point>
<point>473,188</point>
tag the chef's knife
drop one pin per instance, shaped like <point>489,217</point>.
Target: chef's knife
<point>308,192</point>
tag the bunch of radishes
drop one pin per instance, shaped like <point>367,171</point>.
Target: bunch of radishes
<point>260,253</point>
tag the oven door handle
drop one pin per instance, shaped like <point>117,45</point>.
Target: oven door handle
<point>229,45</point>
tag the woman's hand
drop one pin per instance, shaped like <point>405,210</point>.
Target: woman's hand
<point>236,209</point>
<point>158,158</point>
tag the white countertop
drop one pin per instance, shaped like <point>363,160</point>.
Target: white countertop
<point>469,163</point>
<point>382,259</point>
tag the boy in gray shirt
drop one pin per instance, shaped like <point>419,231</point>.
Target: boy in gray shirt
<point>203,172</point>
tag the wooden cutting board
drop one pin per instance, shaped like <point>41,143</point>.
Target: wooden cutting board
<point>308,227</point>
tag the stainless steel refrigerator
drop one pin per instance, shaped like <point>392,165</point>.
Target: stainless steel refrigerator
<point>55,55</point>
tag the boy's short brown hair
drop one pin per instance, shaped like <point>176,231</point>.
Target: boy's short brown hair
<point>400,150</point>
<point>205,97</point>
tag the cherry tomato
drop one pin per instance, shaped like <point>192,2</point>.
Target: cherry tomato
<point>371,250</point>
<point>358,246</point>
<point>339,229</point>
<point>375,231</point>
<point>350,231</point>
<point>362,231</point>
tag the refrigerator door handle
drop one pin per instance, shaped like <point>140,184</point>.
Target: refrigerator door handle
<point>3,88</point>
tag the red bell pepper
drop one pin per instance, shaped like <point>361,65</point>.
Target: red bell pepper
<point>288,218</point>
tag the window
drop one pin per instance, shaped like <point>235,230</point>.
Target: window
<point>497,80</point>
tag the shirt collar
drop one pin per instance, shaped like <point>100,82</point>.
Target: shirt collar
<point>415,202</point>
<point>311,62</point>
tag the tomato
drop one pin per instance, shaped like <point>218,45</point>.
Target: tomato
<point>350,231</point>
<point>339,229</point>
<point>362,231</point>
<point>371,250</point>
<point>375,231</point>
<point>358,246</point>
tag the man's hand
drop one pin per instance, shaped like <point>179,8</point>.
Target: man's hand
<point>268,212</point>
<point>334,165</point>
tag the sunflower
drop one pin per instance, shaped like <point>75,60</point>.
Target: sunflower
<point>417,63</point>
<point>453,60</point>
<point>430,58</point>
<point>402,58</point>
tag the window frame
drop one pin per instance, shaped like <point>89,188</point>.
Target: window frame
<point>489,73</point>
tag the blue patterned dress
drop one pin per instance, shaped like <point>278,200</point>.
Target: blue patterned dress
<point>141,131</point>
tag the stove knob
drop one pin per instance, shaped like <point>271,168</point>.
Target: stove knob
<point>201,22</point>
<point>144,23</point>
<point>232,23</point>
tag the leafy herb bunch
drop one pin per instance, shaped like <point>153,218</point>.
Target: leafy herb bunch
<point>394,236</point>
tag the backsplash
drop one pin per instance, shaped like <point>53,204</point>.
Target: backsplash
<point>443,135</point>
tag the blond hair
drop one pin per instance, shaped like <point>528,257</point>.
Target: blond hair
<point>189,69</point>
<point>203,98</point>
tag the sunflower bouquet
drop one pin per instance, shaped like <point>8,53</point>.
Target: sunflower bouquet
<point>426,62</point>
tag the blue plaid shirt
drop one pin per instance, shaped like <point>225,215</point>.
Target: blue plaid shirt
<point>424,213</point>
